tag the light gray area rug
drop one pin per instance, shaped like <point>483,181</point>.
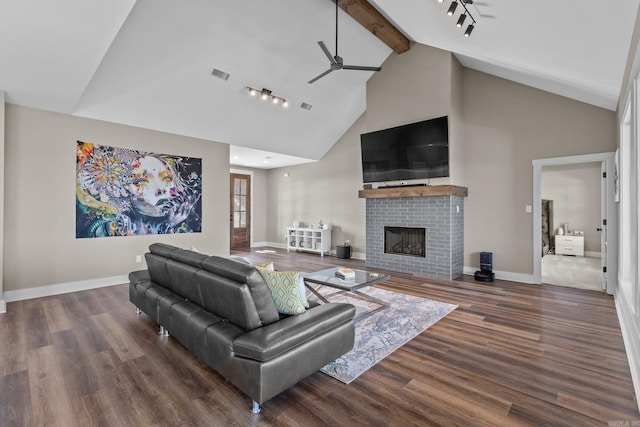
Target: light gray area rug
<point>382,333</point>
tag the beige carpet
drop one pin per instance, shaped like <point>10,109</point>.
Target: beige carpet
<point>572,271</point>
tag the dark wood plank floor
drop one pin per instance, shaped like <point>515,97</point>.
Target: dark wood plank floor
<point>512,354</point>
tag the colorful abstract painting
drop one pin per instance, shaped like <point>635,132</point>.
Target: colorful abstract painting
<point>122,192</point>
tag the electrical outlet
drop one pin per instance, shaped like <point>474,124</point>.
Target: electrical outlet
<point>527,208</point>
<point>138,258</point>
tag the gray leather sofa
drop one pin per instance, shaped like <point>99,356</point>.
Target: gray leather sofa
<point>222,311</point>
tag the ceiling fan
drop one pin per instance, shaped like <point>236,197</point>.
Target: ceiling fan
<point>336,61</point>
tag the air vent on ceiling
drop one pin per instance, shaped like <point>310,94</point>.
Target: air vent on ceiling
<point>306,106</point>
<point>220,74</point>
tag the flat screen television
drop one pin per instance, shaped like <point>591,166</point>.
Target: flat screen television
<point>414,151</point>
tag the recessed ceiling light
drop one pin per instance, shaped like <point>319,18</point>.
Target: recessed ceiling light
<point>220,74</point>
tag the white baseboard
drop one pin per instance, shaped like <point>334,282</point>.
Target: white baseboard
<point>276,245</point>
<point>63,288</point>
<point>503,275</point>
<point>591,254</point>
<point>3,304</point>
<point>359,255</point>
<point>631,336</point>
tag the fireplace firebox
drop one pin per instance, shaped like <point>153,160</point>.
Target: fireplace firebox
<point>409,241</point>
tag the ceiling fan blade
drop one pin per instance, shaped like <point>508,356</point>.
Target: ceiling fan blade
<point>357,67</point>
<point>326,52</point>
<point>321,75</point>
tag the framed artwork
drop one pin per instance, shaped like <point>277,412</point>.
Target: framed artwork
<point>123,192</point>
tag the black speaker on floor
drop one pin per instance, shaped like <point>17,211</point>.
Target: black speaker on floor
<point>485,274</point>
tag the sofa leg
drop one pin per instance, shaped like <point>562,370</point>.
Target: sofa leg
<point>138,311</point>
<point>255,407</point>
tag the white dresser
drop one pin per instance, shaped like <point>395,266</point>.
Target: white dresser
<point>570,245</point>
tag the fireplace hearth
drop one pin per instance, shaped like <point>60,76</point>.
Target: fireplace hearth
<point>405,241</point>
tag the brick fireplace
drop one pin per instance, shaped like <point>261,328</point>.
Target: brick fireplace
<point>438,210</point>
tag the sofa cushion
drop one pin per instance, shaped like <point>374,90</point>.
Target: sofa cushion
<point>285,290</point>
<point>162,249</point>
<point>228,299</point>
<point>189,257</point>
<point>243,273</point>
<point>270,341</point>
<point>183,280</point>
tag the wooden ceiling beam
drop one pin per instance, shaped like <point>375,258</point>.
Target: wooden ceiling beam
<point>369,17</point>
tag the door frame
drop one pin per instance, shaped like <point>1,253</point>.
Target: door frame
<point>250,173</point>
<point>608,206</point>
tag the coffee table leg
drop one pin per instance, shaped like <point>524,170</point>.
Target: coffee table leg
<point>315,292</point>
<point>383,305</point>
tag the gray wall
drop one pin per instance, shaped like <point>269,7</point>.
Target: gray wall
<point>326,190</point>
<point>421,84</point>
<point>39,235</point>
<point>505,125</point>
<point>575,191</point>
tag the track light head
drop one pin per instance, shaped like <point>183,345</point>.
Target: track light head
<point>461,20</point>
<point>452,8</point>
<point>265,94</point>
<point>469,29</point>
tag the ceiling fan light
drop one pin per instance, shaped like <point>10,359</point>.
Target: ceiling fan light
<point>470,28</point>
<point>452,8</point>
<point>461,20</point>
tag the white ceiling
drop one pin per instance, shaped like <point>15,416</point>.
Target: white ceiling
<point>148,63</point>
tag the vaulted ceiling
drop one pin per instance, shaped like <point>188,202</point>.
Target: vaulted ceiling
<point>148,63</point>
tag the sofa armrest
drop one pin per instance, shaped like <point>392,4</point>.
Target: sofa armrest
<point>270,341</point>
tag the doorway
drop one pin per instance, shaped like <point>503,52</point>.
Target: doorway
<point>608,217</point>
<point>571,225</point>
<point>240,208</point>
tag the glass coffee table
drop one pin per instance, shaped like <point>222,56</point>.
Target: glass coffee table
<point>362,279</point>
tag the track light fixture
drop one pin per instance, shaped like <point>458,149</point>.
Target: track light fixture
<point>265,94</point>
<point>463,16</point>
<point>452,8</point>
<point>470,28</point>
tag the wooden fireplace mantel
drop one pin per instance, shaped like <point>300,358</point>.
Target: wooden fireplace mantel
<point>421,191</point>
